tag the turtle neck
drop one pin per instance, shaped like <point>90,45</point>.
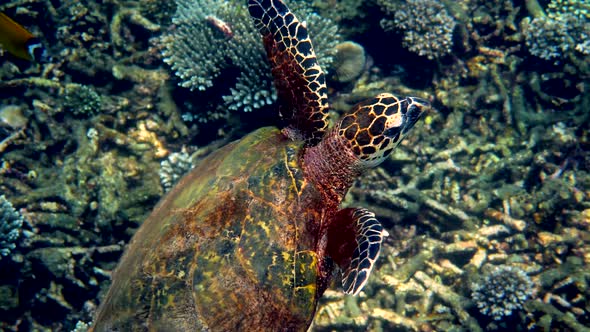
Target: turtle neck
<point>331,166</point>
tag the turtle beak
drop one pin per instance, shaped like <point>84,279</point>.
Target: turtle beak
<point>416,107</point>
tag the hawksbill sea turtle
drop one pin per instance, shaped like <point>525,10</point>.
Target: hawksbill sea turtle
<point>248,240</point>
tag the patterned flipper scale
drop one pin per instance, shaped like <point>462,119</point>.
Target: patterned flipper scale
<point>298,78</point>
<point>369,235</point>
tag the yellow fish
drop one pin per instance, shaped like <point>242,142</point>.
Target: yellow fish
<point>20,42</point>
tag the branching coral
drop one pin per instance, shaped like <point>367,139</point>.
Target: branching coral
<point>502,291</point>
<point>174,167</point>
<point>11,223</point>
<point>81,99</point>
<point>564,32</point>
<point>579,8</point>
<point>426,24</point>
<point>215,39</point>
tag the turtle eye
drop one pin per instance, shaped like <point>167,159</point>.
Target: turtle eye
<point>376,126</point>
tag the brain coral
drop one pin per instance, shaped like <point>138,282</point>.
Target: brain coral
<point>349,61</point>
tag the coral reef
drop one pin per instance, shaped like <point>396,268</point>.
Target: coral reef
<point>497,176</point>
<point>174,167</point>
<point>11,223</point>
<point>426,24</point>
<point>502,291</point>
<point>558,36</point>
<point>79,157</point>
<point>214,41</point>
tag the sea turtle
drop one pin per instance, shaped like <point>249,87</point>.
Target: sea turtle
<point>249,238</point>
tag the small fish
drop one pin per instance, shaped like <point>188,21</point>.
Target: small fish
<point>220,25</point>
<point>20,42</point>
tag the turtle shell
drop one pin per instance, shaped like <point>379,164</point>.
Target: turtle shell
<point>234,246</point>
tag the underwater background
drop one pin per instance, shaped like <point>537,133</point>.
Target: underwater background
<point>487,202</point>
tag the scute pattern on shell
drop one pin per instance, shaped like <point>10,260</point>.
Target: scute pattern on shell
<point>231,247</point>
<point>299,80</point>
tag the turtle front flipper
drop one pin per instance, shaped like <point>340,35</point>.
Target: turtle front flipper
<point>354,243</point>
<point>298,78</point>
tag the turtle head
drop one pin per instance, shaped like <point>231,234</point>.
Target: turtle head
<point>376,126</point>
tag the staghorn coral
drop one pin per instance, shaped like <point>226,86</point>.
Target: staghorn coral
<point>11,223</point>
<point>214,40</point>
<point>426,24</point>
<point>502,291</point>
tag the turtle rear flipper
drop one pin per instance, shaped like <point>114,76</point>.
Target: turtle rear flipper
<point>298,78</point>
<point>354,243</point>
